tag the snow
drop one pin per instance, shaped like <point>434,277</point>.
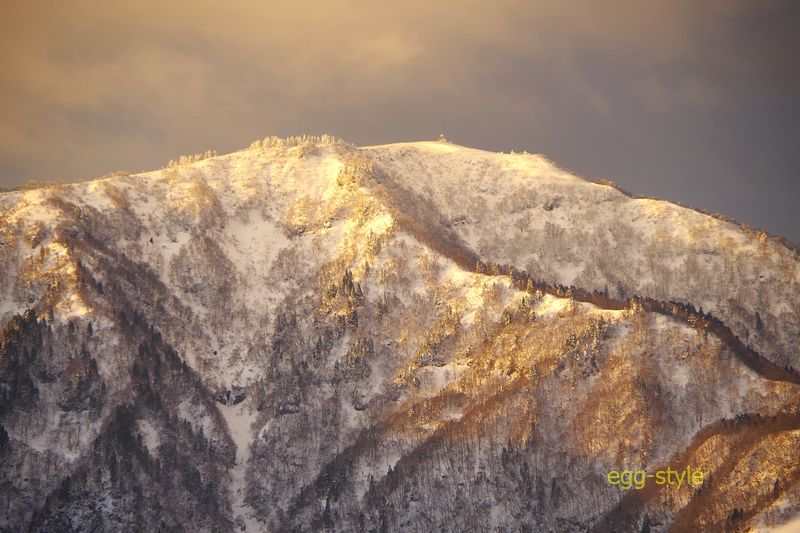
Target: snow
<point>524,210</point>
<point>93,194</point>
<point>51,439</point>
<point>150,435</point>
<point>435,378</point>
<point>252,246</point>
<point>551,305</point>
<point>9,307</point>
<point>495,203</point>
<point>789,527</point>
<point>352,419</point>
<point>198,417</point>
<point>379,224</point>
<point>240,419</point>
<point>73,306</point>
<point>169,248</point>
<point>681,376</point>
<point>792,526</point>
<point>474,289</point>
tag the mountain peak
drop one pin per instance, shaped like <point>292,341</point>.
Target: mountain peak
<point>305,321</point>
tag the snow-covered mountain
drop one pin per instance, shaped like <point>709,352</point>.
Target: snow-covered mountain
<point>306,335</point>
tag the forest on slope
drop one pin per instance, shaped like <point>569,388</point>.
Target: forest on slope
<point>415,337</point>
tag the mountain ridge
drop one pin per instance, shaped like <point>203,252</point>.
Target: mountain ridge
<point>423,307</point>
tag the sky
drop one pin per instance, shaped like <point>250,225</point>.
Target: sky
<point>696,102</point>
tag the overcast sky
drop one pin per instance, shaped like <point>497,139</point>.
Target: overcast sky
<point>697,102</point>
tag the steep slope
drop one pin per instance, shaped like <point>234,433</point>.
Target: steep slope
<point>308,335</point>
<point>523,210</point>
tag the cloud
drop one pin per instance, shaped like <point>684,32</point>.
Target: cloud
<point>88,86</point>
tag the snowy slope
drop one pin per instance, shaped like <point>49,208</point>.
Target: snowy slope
<point>522,210</point>
<point>282,325</point>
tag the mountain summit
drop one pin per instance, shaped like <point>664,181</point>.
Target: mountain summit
<point>308,335</point>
